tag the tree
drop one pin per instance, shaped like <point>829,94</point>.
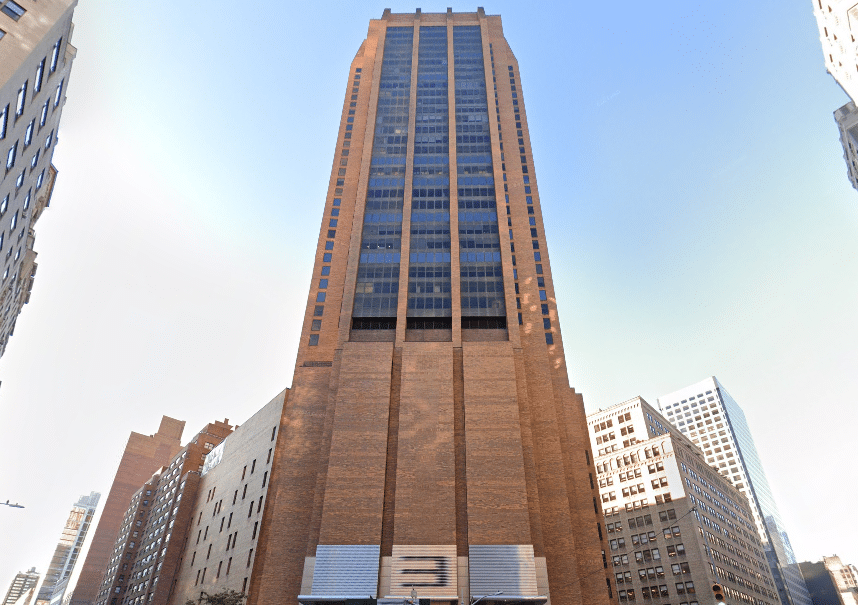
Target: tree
<point>225,597</point>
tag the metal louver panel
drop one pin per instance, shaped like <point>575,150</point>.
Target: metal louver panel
<point>507,567</point>
<point>346,569</point>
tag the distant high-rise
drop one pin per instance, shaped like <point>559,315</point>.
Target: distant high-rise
<point>143,456</point>
<point>68,548</point>
<point>430,441</point>
<point>35,62</point>
<point>831,582</point>
<point>675,526</point>
<point>24,581</point>
<point>712,419</point>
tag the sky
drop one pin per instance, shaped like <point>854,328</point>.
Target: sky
<point>697,211</point>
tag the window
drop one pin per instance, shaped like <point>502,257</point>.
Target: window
<point>37,81</point>
<point>59,93</point>
<point>21,103</point>
<point>40,179</point>
<point>3,207</point>
<point>49,140</point>
<point>4,120</point>
<point>13,9</point>
<point>314,340</point>
<point>55,55</point>
<point>10,156</point>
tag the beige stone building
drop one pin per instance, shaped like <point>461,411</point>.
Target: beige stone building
<point>220,543</point>
<point>675,526</point>
<point>35,62</point>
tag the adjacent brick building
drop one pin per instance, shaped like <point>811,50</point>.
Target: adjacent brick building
<point>143,456</point>
<point>430,440</point>
<point>675,526</point>
<point>146,554</point>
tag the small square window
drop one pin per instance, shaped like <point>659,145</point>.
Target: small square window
<point>538,269</point>
<point>332,233</point>
<point>314,340</point>
<point>319,310</point>
<point>13,9</point>
<point>335,211</point>
<point>546,323</point>
<point>326,257</point>
<point>542,295</point>
<point>320,297</point>
<point>332,222</point>
<point>337,201</point>
<point>329,245</point>
<point>537,256</point>
<point>545,309</point>
<point>549,338</point>
<point>323,284</point>
<point>326,270</point>
<point>316,325</point>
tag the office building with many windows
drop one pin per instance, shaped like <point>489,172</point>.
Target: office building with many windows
<point>430,441</point>
<point>707,414</point>
<point>35,63</point>
<point>674,525</point>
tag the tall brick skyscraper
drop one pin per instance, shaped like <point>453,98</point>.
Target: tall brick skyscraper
<point>430,441</point>
<point>143,455</point>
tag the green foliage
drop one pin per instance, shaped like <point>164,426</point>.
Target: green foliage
<point>225,597</point>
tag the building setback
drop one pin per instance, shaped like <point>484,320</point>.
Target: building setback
<point>68,549</point>
<point>145,557</point>
<point>34,77</point>
<point>675,526</point>
<point>430,441</point>
<point>220,544</point>
<point>143,456</point>
<point>707,414</point>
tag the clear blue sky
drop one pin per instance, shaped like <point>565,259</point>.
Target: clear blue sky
<point>697,211</point>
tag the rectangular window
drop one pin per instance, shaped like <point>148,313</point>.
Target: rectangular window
<point>37,81</point>
<point>55,56</point>
<point>4,120</point>
<point>21,103</point>
<point>10,157</point>
<point>249,557</point>
<point>28,135</point>
<point>59,93</point>
<point>13,9</point>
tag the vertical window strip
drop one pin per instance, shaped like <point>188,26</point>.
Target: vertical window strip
<point>377,288</point>
<point>481,271</point>
<point>429,254</point>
